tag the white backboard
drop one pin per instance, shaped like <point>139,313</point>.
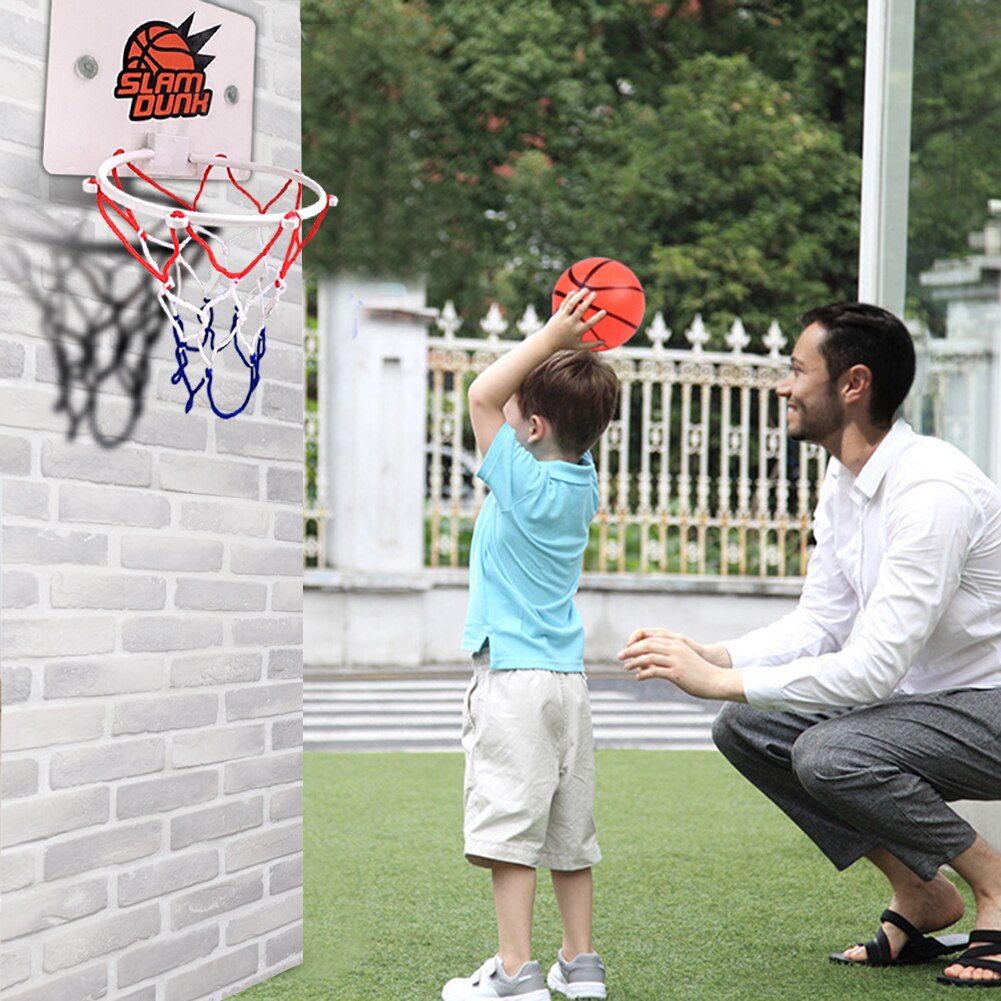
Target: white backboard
<point>120,70</point>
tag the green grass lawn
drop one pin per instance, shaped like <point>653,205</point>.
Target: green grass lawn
<point>706,891</point>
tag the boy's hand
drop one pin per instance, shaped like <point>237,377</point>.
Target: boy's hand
<point>493,387</point>
<point>567,326</point>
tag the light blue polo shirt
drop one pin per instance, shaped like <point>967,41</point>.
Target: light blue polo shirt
<point>526,557</point>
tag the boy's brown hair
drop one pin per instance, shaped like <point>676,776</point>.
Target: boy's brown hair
<point>576,392</point>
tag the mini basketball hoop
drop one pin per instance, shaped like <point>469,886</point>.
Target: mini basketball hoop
<point>225,309</point>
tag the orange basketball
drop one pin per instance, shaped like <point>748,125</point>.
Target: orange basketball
<point>619,293</point>
<point>157,46</point>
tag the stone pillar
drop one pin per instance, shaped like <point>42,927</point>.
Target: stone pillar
<point>970,390</point>
<point>374,353</point>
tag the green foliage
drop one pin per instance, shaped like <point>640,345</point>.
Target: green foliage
<point>722,196</point>
<point>488,144</point>
<point>372,99</point>
<point>713,145</point>
<point>955,166</point>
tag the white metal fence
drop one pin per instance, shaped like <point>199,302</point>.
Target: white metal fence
<point>696,472</point>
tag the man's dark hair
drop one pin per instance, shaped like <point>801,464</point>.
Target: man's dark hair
<point>576,392</point>
<point>857,333</point>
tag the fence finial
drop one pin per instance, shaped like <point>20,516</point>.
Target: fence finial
<point>658,332</point>
<point>493,324</point>
<point>449,321</point>
<point>774,339</point>
<point>529,322</point>
<point>738,338</point>
<point>697,334</point>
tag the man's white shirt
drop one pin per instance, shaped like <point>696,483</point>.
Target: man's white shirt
<point>911,549</point>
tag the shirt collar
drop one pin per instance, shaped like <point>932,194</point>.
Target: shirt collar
<point>871,475</point>
<point>572,472</point>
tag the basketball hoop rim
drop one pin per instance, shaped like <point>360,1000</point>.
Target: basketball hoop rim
<point>137,204</point>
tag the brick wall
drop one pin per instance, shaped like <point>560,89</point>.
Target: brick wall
<point>151,810</point>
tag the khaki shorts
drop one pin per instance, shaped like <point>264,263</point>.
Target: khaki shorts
<point>529,785</point>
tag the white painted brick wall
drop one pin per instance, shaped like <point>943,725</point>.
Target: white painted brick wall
<point>151,780</point>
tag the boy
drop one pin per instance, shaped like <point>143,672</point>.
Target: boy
<point>529,785</point>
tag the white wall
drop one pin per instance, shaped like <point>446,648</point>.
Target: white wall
<point>412,621</point>
<point>152,625</point>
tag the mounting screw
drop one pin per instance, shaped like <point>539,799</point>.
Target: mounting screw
<point>86,66</point>
<point>232,94</point>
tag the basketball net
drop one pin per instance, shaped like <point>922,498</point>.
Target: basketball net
<point>227,307</point>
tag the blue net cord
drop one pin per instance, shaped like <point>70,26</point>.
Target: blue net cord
<point>250,360</point>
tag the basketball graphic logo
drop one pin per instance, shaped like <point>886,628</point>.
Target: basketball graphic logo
<point>163,71</point>
<point>157,47</point>
<point>618,292</point>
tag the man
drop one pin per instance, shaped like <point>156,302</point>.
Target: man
<point>878,700</point>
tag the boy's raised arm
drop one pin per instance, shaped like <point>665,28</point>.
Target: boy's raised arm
<point>493,387</point>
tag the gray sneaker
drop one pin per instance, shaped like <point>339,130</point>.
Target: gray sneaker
<point>490,981</point>
<point>583,977</point>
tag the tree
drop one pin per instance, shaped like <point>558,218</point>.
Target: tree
<point>371,102</point>
<point>710,144</point>
<point>725,200</point>
<point>956,122</point>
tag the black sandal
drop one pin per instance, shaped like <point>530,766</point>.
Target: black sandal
<point>974,958</point>
<point>917,949</point>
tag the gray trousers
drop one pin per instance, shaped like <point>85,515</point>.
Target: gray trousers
<point>875,776</point>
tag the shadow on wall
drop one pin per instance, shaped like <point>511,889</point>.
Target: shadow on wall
<point>98,311</point>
